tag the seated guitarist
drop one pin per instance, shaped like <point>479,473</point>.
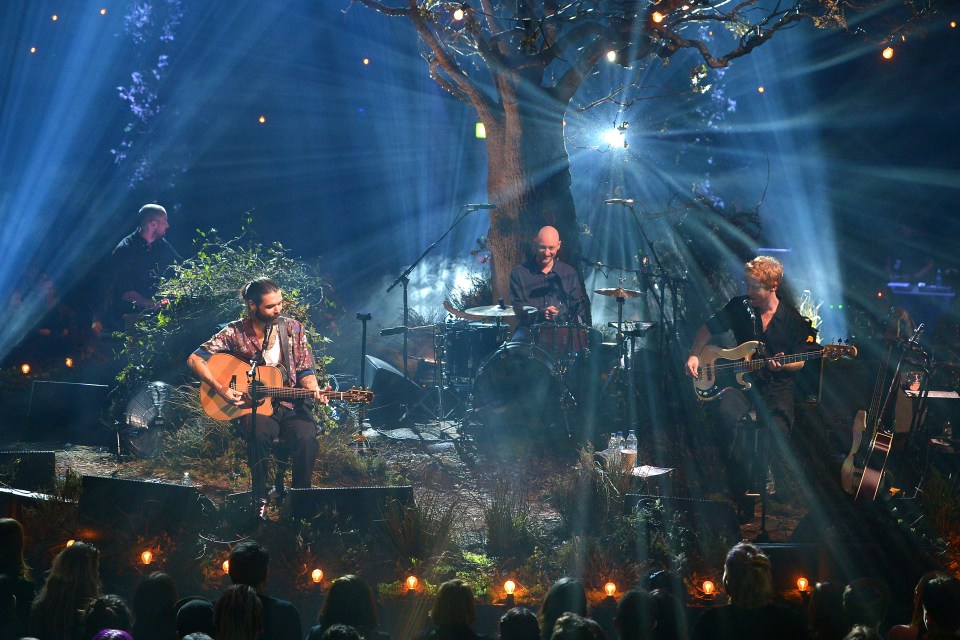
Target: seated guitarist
<point>760,315</point>
<point>286,346</point>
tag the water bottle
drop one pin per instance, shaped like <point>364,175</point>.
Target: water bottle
<point>620,440</point>
<point>186,480</point>
<point>631,443</point>
<point>612,442</point>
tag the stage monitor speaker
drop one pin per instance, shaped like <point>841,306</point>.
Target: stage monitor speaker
<point>392,393</point>
<point>68,410</point>
<point>14,501</point>
<point>114,505</point>
<point>32,470</point>
<point>718,515</point>
<point>360,505</point>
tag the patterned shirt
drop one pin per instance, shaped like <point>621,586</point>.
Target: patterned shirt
<point>240,339</point>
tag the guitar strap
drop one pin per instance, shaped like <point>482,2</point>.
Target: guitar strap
<point>285,350</point>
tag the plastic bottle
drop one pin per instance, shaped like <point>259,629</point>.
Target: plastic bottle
<point>620,440</point>
<point>612,442</point>
<point>186,480</point>
<point>631,442</point>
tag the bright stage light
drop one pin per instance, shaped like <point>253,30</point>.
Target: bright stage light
<point>760,89</point>
<point>262,119</point>
<point>612,56</point>
<point>802,584</point>
<point>613,137</point>
<point>610,589</point>
<point>70,543</point>
<point>412,582</point>
<point>509,587</point>
<point>25,368</point>
<point>33,49</point>
<point>480,131</point>
<point>458,14</point>
<point>366,61</point>
<point>657,17</point>
<point>146,557</point>
<point>887,53</point>
<point>68,362</point>
<point>54,17</point>
<point>708,587</point>
<point>226,566</point>
<point>103,12</point>
<point>316,575</point>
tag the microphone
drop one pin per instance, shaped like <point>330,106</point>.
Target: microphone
<point>480,206</point>
<point>267,329</point>
<point>618,201</point>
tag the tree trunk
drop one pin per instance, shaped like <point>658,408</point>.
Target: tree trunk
<point>528,178</point>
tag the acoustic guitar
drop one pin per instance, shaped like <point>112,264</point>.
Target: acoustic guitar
<point>231,371</point>
<point>724,369</point>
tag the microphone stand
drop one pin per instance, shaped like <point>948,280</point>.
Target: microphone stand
<point>404,278</point>
<point>364,318</point>
<point>253,392</point>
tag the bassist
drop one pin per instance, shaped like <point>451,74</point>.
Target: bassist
<point>760,315</point>
<point>264,335</point>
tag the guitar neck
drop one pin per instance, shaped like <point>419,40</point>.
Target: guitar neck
<point>759,363</point>
<point>294,393</point>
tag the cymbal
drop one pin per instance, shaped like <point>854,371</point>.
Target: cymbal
<point>618,292</point>
<point>496,311</point>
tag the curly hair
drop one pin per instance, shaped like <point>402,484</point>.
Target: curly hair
<point>768,270</point>
<point>747,577</point>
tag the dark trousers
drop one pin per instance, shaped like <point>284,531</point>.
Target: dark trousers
<point>296,434</point>
<point>749,446</point>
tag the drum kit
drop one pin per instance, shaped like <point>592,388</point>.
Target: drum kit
<point>550,381</point>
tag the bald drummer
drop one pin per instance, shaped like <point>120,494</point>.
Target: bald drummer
<point>547,284</point>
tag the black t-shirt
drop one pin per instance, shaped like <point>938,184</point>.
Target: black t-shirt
<point>787,332</point>
<point>138,265</point>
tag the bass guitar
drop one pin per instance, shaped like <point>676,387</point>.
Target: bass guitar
<point>724,369</point>
<point>231,371</point>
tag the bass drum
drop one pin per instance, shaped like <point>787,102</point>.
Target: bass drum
<point>518,393</point>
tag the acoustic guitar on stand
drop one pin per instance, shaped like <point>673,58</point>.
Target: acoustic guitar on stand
<point>231,371</point>
<point>724,369</point>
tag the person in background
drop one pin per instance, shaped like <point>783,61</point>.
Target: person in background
<point>13,565</point>
<point>249,564</point>
<point>349,602</point>
<point>74,581</point>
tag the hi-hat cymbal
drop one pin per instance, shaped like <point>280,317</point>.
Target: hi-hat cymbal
<point>618,292</point>
<point>496,311</point>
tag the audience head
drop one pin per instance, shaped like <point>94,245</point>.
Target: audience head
<point>154,600</point>
<point>248,564</point>
<point>194,616</point>
<point>670,615</point>
<point>519,623</point>
<point>566,595</point>
<point>746,576</point>
<point>454,605</point>
<point>112,634</point>
<point>73,581</point>
<point>865,602</point>
<point>106,612</point>
<point>635,617</point>
<point>825,612</point>
<point>238,614</point>
<point>349,602</point>
<point>196,636</point>
<point>11,549</point>
<point>863,632</point>
<point>571,626</point>
<point>341,632</point>
<point>941,605</point>
<point>917,619</point>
